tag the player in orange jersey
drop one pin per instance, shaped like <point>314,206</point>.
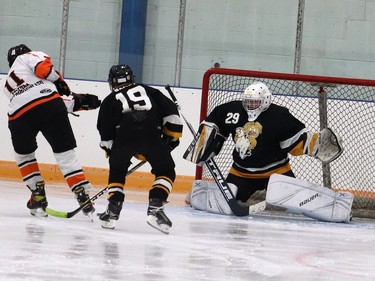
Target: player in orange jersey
<point>35,91</point>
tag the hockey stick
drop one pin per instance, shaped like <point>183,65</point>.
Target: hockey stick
<point>68,215</point>
<point>218,176</point>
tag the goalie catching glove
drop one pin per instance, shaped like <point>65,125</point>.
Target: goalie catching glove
<point>326,147</point>
<point>206,144</point>
<point>85,102</point>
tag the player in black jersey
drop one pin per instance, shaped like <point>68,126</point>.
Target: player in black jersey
<point>136,119</point>
<point>264,135</point>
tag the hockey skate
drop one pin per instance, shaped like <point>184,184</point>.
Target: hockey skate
<point>111,215</point>
<point>82,198</point>
<point>156,216</point>
<point>38,201</point>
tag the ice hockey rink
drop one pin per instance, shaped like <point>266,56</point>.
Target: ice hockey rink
<point>200,246</point>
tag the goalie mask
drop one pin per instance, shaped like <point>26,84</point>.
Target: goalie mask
<point>14,52</point>
<point>119,75</point>
<point>256,99</point>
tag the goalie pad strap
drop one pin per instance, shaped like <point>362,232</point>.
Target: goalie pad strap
<point>206,144</point>
<point>301,197</point>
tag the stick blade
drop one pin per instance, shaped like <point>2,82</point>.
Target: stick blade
<point>237,209</point>
<point>56,213</point>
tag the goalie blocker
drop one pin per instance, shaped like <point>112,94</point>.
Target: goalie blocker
<point>302,197</point>
<point>206,144</point>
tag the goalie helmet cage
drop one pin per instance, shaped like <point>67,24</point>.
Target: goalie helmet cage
<point>345,105</point>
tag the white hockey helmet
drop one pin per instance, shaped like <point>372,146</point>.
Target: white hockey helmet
<point>256,99</point>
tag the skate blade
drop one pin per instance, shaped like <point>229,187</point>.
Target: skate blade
<point>38,212</point>
<point>151,221</point>
<point>110,224</point>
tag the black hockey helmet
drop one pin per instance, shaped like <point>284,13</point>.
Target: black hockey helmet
<point>120,74</point>
<point>15,51</point>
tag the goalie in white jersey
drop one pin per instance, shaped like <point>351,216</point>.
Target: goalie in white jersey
<point>34,89</point>
<point>264,134</point>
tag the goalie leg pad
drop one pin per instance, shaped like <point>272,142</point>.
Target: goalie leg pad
<point>206,196</point>
<point>314,201</point>
<point>198,195</point>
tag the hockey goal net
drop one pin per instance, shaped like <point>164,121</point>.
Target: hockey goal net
<point>345,105</point>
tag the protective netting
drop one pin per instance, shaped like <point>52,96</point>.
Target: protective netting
<point>347,106</point>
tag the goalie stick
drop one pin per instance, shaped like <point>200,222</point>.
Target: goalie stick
<point>237,210</point>
<point>67,215</point>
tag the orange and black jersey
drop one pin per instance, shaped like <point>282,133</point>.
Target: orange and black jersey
<point>135,106</point>
<point>30,83</point>
<point>262,145</point>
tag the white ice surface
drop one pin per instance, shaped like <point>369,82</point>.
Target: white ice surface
<point>200,246</point>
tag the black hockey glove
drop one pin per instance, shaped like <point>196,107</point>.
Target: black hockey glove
<point>171,142</point>
<point>61,86</point>
<point>85,102</point>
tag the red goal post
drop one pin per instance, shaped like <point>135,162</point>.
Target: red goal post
<point>346,105</point>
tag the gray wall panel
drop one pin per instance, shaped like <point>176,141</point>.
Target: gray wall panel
<point>338,36</point>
